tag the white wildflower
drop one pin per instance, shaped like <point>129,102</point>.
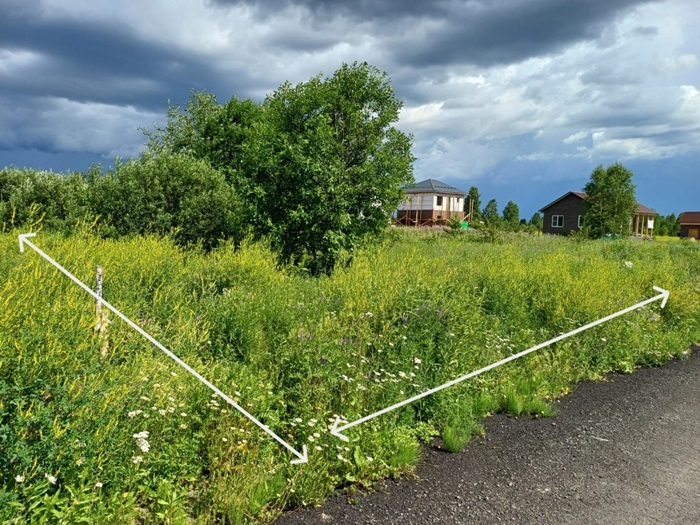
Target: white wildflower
<point>628,264</point>
<point>19,479</point>
<point>80,461</point>
<point>98,485</point>
<point>136,460</point>
<point>417,361</point>
<point>51,479</point>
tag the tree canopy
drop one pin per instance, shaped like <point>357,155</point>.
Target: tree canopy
<point>610,202</point>
<point>318,166</point>
<point>490,213</point>
<point>511,214</point>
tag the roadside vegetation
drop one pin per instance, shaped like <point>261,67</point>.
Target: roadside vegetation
<point>111,431</point>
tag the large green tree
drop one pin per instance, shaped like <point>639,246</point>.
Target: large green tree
<point>610,202</point>
<point>319,166</point>
<point>324,166</point>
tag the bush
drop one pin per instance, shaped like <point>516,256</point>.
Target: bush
<point>167,193</point>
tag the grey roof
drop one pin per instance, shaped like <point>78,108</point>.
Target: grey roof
<point>434,186</point>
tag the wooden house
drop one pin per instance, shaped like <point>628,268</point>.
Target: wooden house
<point>565,215</point>
<point>690,224</point>
<point>430,202</point>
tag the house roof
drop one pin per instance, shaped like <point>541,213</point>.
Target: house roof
<point>641,209</point>
<point>689,217</point>
<point>434,186</point>
<point>575,193</point>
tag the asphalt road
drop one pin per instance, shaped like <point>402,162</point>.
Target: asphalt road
<point>622,451</point>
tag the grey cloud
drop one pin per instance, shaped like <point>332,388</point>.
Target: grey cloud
<point>482,32</point>
<point>101,64</point>
<point>510,32</point>
<point>354,9</point>
<point>646,31</point>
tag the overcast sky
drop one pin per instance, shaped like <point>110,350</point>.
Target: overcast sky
<point>522,98</point>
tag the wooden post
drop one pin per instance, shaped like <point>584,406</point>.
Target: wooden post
<point>98,291</point>
<point>102,320</point>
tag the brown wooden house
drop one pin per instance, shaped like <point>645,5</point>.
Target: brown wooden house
<point>430,202</point>
<point>565,215</point>
<point>690,224</point>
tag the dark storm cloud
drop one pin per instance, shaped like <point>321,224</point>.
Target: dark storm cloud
<point>483,33</point>
<point>354,9</point>
<point>510,32</point>
<point>99,63</point>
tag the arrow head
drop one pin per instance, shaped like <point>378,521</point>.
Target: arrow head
<point>303,458</point>
<point>22,238</point>
<point>336,432</point>
<point>665,293</point>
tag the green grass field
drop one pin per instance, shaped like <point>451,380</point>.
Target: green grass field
<point>419,310</point>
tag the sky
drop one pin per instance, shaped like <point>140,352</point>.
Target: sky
<point>521,98</point>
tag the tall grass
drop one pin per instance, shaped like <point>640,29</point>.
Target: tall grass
<point>410,315</point>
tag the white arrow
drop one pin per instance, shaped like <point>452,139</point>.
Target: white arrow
<point>302,457</point>
<point>337,430</point>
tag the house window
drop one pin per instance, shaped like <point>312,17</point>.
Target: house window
<point>438,200</point>
<point>557,221</point>
<point>580,221</point>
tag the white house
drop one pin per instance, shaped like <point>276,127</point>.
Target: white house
<point>430,202</point>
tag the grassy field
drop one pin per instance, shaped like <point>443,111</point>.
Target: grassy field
<point>108,430</point>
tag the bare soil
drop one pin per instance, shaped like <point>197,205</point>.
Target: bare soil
<point>626,450</point>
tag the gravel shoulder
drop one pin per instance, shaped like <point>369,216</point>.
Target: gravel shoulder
<point>625,450</point>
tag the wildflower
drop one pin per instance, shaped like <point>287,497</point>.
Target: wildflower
<point>162,412</point>
<point>51,479</point>
<point>317,435</point>
<point>318,448</point>
<point>80,461</point>
<point>141,442</point>
<point>417,361</point>
<point>183,414</point>
<point>628,264</point>
<point>136,460</point>
<point>402,374</point>
<point>98,485</point>
<point>370,459</point>
<point>183,426</point>
<point>298,419</point>
<point>19,478</point>
<point>311,438</point>
<point>224,440</point>
<point>134,413</point>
